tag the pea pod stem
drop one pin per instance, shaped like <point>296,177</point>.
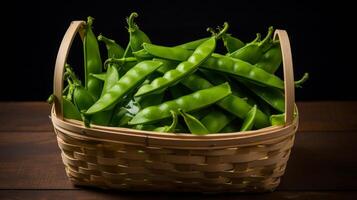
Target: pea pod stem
<point>132,25</point>
<point>221,30</point>
<point>299,83</point>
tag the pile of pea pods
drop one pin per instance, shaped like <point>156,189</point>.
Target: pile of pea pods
<point>188,88</point>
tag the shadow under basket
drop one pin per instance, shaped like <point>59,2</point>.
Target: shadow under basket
<point>128,159</point>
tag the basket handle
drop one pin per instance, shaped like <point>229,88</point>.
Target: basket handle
<point>73,29</point>
<point>289,84</point>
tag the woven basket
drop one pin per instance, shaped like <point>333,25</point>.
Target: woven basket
<point>127,159</point>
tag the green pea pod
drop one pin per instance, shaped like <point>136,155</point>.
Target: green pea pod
<point>118,113</point>
<point>177,91</point>
<point>277,120</point>
<point>230,128</point>
<point>193,124</point>
<point>151,100</point>
<point>143,54</point>
<point>236,89</point>
<point>170,53</point>
<point>114,50</point>
<point>182,70</point>
<point>272,96</point>
<point>271,60</point>
<point>82,98</point>
<point>137,37</point>
<point>239,68</point>
<point>124,64</point>
<point>231,43</point>
<point>124,85</point>
<point>146,127</point>
<point>171,128</point>
<point>252,52</point>
<point>104,117</point>
<point>190,102</point>
<point>249,119</point>
<point>92,60</point>
<point>111,78</point>
<point>216,120</point>
<point>123,122</point>
<point>193,44</point>
<point>220,63</point>
<point>70,111</point>
<point>232,103</point>
<point>100,76</point>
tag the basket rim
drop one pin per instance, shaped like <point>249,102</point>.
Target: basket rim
<point>75,128</point>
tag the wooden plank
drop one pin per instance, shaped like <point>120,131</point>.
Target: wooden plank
<point>25,116</point>
<point>31,160</point>
<point>319,161</point>
<point>328,115</point>
<point>109,195</point>
<point>314,116</point>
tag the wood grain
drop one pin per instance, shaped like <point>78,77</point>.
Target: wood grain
<point>109,195</point>
<point>314,116</point>
<point>319,161</point>
<point>328,116</point>
<point>25,116</point>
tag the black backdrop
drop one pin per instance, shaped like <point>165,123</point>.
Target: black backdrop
<point>319,31</point>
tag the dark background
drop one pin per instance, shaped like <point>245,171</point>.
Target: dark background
<point>320,32</point>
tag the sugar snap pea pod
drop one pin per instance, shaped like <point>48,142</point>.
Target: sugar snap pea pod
<point>137,37</point>
<point>92,60</point>
<point>171,53</point>
<point>233,104</point>
<point>190,102</point>
<point>231,43</point>
<point>236,89</point>
<point>183,69</point>
<point>220,63</point>
<point>239,68</point>
<point>114,50</point>
<point>112,76</point>
<point>126,83</point>
<point>193,44</point>
<point>171,128</point>
<point>120,61</point>
<point>177,91</point>
<point>252,52</point>
<point>82,98</point>
<point>216,120</point>
<point>151,100</point>
<point>230,128</point>
<point>272,96</point>
<point>193,124</point>
<point>249,119</point>
<point>271,59</point>
<point>104,117</point>
<point>100,76</point>
<point>143,54</point>
<point>70,111</point>
<point>278,119</point>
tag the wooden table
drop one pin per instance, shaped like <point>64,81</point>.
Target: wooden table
<point>322,165</point>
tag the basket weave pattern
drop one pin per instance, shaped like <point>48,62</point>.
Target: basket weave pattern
<point>115,165</point>
<point>127,159</point>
